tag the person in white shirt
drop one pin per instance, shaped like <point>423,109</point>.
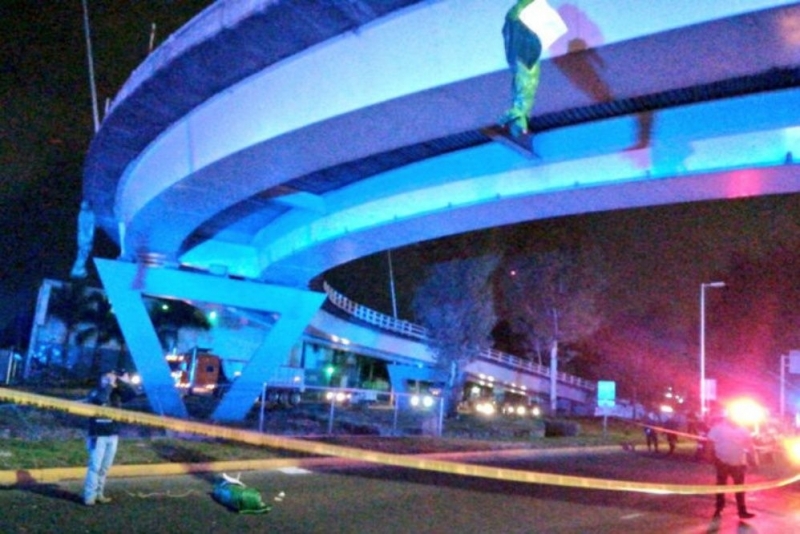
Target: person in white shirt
<point>730,444</point>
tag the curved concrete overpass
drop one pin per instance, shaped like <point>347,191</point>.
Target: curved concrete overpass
<point>272,140</point>
<point>404,345</point>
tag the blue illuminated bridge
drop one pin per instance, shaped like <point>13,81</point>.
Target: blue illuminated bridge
<point>269,141</point>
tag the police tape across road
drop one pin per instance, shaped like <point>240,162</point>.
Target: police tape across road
<point>362,455</point>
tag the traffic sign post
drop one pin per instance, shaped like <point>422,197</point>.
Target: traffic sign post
<point>794,368</point>
<point>606,398</point>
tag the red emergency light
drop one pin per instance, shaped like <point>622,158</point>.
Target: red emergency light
<point>746,412</point>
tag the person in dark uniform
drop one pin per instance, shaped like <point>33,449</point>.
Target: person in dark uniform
<point>671,426</point>
<point>103,435</point>
<point>650,432</point>
<point>651,436</point>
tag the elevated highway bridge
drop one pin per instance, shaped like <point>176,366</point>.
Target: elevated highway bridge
<point>269,141</point>
<point>404,345</point>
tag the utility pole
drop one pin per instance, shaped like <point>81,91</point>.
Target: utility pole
<point>391,284</point>
<point>703,385</point>
<point>90,60</point>
<point>554,366</point>
<point>783,386</point>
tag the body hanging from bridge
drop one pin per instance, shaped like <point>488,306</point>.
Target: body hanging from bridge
<point>530,26</point>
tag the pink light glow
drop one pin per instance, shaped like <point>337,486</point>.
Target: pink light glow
<point>746,183</point>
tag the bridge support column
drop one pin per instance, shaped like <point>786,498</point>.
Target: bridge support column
<point>125,283</point>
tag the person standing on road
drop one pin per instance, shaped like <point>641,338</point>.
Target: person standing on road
<point>730,444</point>
<point>650,433</point>
<point>671,433</point>
<point>103,436</point>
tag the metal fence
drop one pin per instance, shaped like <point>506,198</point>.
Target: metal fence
<point>412,330</point>
<point>349,411</point>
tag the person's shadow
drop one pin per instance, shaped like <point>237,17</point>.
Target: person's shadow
<point>741,528</point>
<point>582,66</point>
<point>26,482</point>
<point>177,453</point>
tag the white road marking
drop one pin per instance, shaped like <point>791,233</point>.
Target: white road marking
<point>294,471</point>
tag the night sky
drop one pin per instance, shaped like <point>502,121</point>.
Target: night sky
<point>659,255</point>
<point>658,258</point>
<point>46,127</point>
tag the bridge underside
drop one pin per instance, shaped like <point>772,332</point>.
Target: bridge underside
<point>364,132</point>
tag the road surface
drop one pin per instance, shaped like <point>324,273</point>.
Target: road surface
<point>376,499</point>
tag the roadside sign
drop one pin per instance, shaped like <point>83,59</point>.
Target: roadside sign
<point>794,362</point>
<point>606,393</point>
<point>711,388</point>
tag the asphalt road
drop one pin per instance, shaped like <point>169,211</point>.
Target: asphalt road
<point>376,499</point>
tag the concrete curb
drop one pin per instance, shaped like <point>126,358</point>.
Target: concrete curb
<point>57,474</point>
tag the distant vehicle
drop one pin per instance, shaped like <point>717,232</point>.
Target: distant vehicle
<point>201,373</point>
<point>768,438</point>
<point>768,432</point>
<point>521,409</point>
<point>196,373</point>
<point>339,397</point>
<point>479,405</point>
<point>519,405</point>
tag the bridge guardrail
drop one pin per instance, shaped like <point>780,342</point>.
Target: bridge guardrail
<point>407,328</point>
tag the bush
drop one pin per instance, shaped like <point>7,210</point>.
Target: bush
<point>556,428</point>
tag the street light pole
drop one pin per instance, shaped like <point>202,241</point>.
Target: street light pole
<point>703,286</point>
<point>783,386</point>
<point>391,284</point>
<point>90,60</point>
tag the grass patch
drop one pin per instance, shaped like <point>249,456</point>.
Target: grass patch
<point>31,438</point>
<point>42,454</point>
<point>18,453</point>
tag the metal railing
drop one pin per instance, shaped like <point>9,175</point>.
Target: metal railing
<point>407,328</point>
<point>350,410</point>
<point>373,317</point>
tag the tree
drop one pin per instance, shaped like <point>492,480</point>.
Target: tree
<point>455,304</point>
<point>169,316</point>
<point>100,325</point>
<point>552,297</point>
<point>69,303</point>
<point>752,321</point>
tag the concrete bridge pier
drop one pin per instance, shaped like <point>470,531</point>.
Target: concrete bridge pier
<point>126,283</point>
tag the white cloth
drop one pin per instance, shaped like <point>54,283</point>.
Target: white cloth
<point>544,21</point>
<point>731,443</point>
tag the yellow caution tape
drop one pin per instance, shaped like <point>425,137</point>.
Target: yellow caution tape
<point>398,460</point>
<point>665,430</point>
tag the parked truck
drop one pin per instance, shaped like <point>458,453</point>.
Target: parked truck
<point>284,386</point>
<point>196,373</point>
<point>202,373</point>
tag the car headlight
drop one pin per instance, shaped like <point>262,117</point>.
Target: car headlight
<point>486,408</point>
